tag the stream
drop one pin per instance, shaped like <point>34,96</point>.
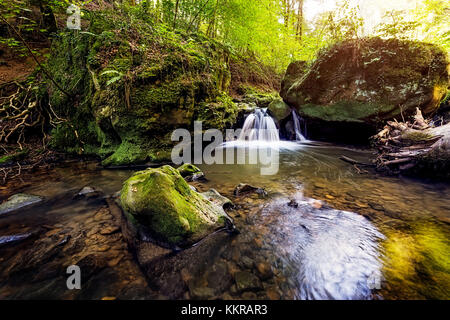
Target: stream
<point>326,230</point>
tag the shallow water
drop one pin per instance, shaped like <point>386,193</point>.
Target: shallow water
<point>348,234</point>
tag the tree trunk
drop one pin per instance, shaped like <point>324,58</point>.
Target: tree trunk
<point>176,13</point>
<point>48,18</point>
<point>300,21</point>
<point>211,32</point>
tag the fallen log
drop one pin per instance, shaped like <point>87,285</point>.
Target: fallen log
<point>415,147</point>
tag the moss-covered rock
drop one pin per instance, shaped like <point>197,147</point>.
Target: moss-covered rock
<point>366,82</point>
<point>188,169</point>
<point>279,109</point>
<point>161,200</point>
<point>131,87</point>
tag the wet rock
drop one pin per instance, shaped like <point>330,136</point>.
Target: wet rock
<point>243,189</point>
<point>196,177</point>
<point>272,293</point>
<point>19,201</point>
<point>226,296</point>
<point>246,281</point>
<point>264,271</point>
<point>317,205</point>
<point>13,239</point>
<point>233,290</point>
<point>88,193</point>
<point>215,197</point>
<point>161,200</point>
<point>102,248</point>
<point>249,296</point>
<point>293,204</point>
<point>246,262</point>
<point>114,262</point>
<point>320,185</point>
<point>109,230</point>
<point>376,206</point>
<point>218,277</point>
<point>201,293</point>
<point>64,241</point>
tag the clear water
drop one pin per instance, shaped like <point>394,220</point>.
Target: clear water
<point>348,233</point>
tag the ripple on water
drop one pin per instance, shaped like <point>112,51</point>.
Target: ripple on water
<point>332,254</point>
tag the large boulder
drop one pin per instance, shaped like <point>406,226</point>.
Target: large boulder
<point>127,96</point>
<point>293,73</point>
<point>161,200</point>
<point>279,109</point>
<point>359,84</point>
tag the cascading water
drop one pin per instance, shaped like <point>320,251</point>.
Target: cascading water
<point>259,126</point>
<point>297,126</point>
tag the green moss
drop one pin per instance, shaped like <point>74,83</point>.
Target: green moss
<point>347,111</point>
<point>188,169</point>
<point>127,153</point>
<point>417,136</point>
<point>165,81</point>
<point>217,115</point>
<point>14,157</point>
<point>161,200</point>
<point>279,109</point>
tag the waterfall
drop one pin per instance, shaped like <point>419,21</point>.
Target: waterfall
<point>259,126</point>
<point>297,126</point>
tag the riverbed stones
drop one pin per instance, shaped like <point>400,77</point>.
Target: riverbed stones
<point>249,296</point>
<point>19,201</point>
<point>264,271</point>
<point>272,293</point>
<point>161,201</point>
<point>246,281</point>
<point>109,230</point>
<point>246,262</point>
<point>201,293</point>
<point>246,189</point>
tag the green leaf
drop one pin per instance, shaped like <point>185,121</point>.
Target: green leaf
<point>112,80</point>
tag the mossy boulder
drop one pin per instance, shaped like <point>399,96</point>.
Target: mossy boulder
<point>279,109</point>
<point>188,169</point>
<point>161,200</point>
<point>129,89</point>
<point>357,85</point>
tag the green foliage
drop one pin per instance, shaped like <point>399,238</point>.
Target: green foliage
<point>428,22</point>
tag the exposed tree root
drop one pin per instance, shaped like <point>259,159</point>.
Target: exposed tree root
<point>24,122</point>
<point>414,147</point>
